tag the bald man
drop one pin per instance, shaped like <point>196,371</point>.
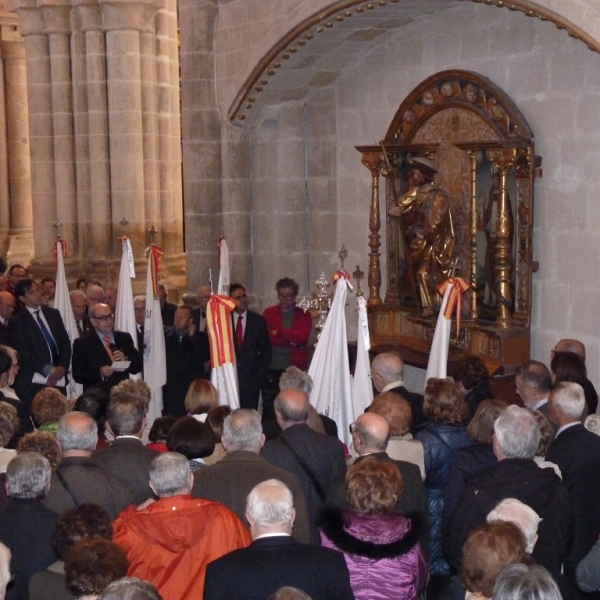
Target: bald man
<point>370,435</point>
<point>387,371</point>
<point>577,347</point>
<point>316,459</point>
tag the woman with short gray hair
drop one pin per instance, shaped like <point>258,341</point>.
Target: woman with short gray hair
<point>26,525</point>
<point>523,582</point>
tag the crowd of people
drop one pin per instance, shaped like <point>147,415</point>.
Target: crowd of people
<point>448,494</point>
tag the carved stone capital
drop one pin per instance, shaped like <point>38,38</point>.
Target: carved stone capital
<point>121,15</point>
<point>89,14</point>
<point>57,17</point>
<point>30,16</point>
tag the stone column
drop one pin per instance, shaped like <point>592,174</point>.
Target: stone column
<point>123,23</point>
<point>57,27</point>
<point>201,138</point>
<point>4,189</point>
<point>39,85</point>
<point>150,63</point>
<point>169,129</point>
<point>91,121</point>
<point>17,144</point>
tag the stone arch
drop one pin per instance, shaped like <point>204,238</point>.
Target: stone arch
<point>283,44</point>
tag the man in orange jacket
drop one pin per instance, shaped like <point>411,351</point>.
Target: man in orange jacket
<point>170,541</point>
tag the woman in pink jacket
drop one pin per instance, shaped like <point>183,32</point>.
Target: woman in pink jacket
<point>379,542</point>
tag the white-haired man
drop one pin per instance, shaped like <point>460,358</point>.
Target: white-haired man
<point>169,542</point>
<point>577,452</point>
<point>275,559</point>
<point>523,516</point>
<point>26,525</point>
<point>4,569</point>
<point>516,475</point>
<point>77,478</point>
<point>230,480</point>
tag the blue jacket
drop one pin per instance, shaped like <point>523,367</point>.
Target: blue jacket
<point>440,443</point>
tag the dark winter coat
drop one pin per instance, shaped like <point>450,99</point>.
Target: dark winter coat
<point>440,443</point>
<point>522,479</point>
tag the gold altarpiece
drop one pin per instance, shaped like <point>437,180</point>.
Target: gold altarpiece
<point>483,151</point>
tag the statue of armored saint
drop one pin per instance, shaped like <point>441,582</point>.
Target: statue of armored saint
<point>427,232</point>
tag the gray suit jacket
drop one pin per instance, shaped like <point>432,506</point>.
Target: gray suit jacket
<point>323,453</point>
<point>87,482</point>
<point>231,479</point>
<point>130,460</point>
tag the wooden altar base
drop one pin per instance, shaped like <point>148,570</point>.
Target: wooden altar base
<point>396,327</point>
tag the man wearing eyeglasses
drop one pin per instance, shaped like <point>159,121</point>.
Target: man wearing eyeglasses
<point>289,329</point>
<point>95,355</point>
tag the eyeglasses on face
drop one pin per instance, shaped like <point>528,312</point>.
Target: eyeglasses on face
<point>351,428</point>
<point>104,317</point>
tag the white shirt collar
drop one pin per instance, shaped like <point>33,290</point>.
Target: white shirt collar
<point>394,384</point>
<point>269,535</point>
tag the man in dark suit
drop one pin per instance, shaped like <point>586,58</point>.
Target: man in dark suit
<point>187,351</point>
<point>317,460</point>
<point>139,310</point>
<point>252,348</point>
<point>199,313</point>
<point>38,334</point>
<point>534,385</point>
<point>94,353</point>
<point>274,559</point>
<point>577,347</point>
<point>167,309</point>
<point>79,306</point>
<point>26,525</point>
<point>7,308</point>
<point>370,436</point>
<point>577,452</point>
<point>387,372</point>
<point>127,457</point>
<point>230,480</point>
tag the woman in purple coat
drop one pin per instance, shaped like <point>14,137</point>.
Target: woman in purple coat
<point>380,543</point>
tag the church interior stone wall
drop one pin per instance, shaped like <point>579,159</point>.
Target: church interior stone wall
<point>553,79</point>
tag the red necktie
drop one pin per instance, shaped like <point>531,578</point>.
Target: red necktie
<point>106,340</point>
<point>239,332</point>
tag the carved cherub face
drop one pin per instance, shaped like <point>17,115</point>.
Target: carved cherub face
<point>427,99</point>
<point>470,93</point>
<point>446,90</point>
<point>408,117</point>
